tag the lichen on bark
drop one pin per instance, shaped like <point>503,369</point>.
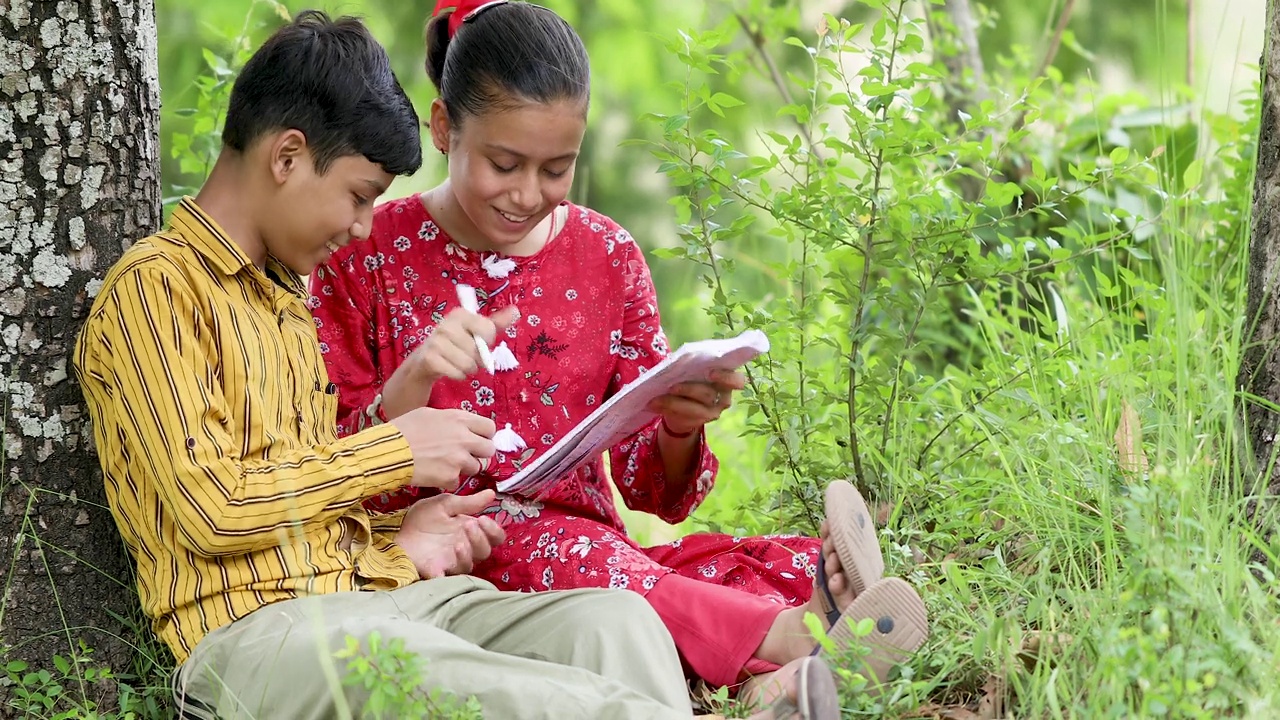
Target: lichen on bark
<point>79,181</point>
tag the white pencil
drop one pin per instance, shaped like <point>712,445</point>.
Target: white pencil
<point>467,296</point>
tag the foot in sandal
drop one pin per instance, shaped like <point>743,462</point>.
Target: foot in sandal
<point>850,588</point>
<point>803,689</point>
<point>851,558</point>
<point>899,627</point>
<point>853,565</point>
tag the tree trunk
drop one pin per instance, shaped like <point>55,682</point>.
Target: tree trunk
<point>957,47</point>
<point>955,43</point>
<point>79,180</point>
<point>1260,363</point>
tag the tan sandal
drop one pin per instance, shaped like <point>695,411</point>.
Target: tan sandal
<point>853,532</point>
<point>901,627</point>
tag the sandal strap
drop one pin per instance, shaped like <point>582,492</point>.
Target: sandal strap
<point>826,599</point>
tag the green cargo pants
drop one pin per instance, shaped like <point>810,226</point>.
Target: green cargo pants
<point>590,654</point>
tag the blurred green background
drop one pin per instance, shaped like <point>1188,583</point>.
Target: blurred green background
<point>1159,48</point>
<point>1122,44</point>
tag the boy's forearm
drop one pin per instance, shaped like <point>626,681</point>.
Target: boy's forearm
<point>225,508</point>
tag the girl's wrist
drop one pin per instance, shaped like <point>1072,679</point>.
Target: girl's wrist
<point>678,435</point>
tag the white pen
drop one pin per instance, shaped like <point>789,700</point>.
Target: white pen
<point>467,296</point>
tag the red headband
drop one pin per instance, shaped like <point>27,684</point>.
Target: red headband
<point>462,10</point>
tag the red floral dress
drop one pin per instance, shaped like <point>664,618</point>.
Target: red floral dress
<point>588,325</point>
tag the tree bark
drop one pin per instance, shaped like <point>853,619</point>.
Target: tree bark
<point>1260,363</point>
<point>79,180</point>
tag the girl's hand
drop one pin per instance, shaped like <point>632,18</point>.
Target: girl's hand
<point>450,352</point>
<point>691,405</point>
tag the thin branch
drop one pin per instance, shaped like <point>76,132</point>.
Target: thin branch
<point>970,55</point>
<point>970,407</point>
<point>1052,263</point>
<point>1027,211</point>
<point>1050,54</point>
<point>1056,41</point>
<point>758,42</point>
<point>891,404</point>
<point>1191,43</point>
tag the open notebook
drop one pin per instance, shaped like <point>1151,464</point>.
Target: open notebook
<point>625,412</point>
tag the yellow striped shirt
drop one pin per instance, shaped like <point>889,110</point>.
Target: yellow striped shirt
<point>215,425</point>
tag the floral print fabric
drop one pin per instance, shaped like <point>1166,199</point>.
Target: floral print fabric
<point>588,325</point>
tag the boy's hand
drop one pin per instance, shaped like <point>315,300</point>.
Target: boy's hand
<point>447,445</point>
<point>450,352</point>
<point>442,537</point>
<point>691,405</point>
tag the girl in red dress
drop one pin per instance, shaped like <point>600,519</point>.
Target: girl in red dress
<point>569,296</point>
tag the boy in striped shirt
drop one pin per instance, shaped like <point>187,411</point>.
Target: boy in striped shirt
<point>215,424</point>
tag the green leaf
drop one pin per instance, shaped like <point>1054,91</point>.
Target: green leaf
<point>666,253</point>
<point>216,64</point>
<point>1069,40</point>
<point>979,645</point>
<point>676,122</point>
<point>1192,175</point>
<point>725,100</point>
<point>877,89</point>
<point>1119,155</point>
<point>1137,252</point>
<point>1106,288</point>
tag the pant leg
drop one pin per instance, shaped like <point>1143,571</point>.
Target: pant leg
<point>739,584</point>
<point>279,663</point>
<point>717,629</point>
<point>613,634</point>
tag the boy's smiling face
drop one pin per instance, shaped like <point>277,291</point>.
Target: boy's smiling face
<point>314,213</point>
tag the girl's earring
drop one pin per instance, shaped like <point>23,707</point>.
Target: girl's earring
<point>443,151</point>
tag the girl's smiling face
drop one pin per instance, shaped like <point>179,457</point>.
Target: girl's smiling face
<point>510,168</point>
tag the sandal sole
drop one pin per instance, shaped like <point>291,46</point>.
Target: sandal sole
<point>901,627</point>
<point>816,694</point>
<point>853,532</point>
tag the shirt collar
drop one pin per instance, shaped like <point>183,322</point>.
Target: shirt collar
<point>206,237</point>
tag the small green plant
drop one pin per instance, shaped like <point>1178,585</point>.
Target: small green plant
<point>49,693</point>
<point>718,702</point>
<point>393,679</point>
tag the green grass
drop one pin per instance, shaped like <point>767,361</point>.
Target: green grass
<point>1136,570</point>
<point>1143,575</point>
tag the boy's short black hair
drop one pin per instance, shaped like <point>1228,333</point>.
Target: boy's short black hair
<point>331,80</point>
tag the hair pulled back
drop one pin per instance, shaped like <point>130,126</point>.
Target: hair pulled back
<point>506,55</point>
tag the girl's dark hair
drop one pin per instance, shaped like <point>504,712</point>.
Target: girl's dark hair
<point>331,80</point>
<point>507,55</point>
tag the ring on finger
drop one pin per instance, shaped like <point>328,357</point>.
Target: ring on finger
<point>719,398</point>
